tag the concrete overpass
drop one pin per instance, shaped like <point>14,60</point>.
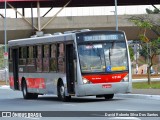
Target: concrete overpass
<point>18,28</point>
<point>76,3</point>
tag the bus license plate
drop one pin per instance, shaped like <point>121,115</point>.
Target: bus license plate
<point>107,86</point>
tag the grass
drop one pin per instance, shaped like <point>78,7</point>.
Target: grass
<point>144,85</point>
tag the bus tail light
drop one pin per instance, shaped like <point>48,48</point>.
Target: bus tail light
<point>125,79</point>
<point>85,81</point>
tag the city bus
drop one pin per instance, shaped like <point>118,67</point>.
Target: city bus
<point>74,63</point>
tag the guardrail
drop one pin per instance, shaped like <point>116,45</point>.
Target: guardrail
<point>2,75</point>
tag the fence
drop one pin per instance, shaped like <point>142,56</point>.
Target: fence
<point>3,75</point>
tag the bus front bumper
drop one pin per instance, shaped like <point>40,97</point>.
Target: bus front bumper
<point>102,89</point>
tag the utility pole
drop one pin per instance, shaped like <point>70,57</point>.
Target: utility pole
<point>136,58</point>
<point>5,41</point>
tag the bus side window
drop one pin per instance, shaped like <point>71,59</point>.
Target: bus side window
<point>20,53</point>
<point>35,57</point>
<point>24,53</point>
<point>35,52</point>
<point>61,65</point>
<point>39,58</point>
<point>30,59</point>
<point>53,58</point>
<point>45,58</point>
<point>21,56</point>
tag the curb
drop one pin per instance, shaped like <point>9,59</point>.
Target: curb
<point>139,96</point>
<point>145,80</point>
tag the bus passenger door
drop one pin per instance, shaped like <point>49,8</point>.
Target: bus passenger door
<point>70,68</point>
<point>15,58</point>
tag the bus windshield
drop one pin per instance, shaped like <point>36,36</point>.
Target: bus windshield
<point>104,57</point>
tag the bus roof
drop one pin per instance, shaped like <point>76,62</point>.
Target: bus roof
<point>67,36</point>
<point>40,40</point>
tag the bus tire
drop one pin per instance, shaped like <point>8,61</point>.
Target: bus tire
<point>61,93</point>
<point>27,95</point>
<point>109,96</point>
<point>34,95</point>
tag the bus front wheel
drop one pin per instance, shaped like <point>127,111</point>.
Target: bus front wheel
<point>109,96</point>
<point>61,93</point>
<point>27,95</point>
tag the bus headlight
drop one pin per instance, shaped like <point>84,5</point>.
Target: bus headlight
<point>85,81</point>
<point>126,78</point>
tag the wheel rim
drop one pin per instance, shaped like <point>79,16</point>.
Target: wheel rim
<point>62,91</point>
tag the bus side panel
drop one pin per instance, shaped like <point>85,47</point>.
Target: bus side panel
<point>43,83</point>
<point>11,82</point>
<point>36,83</point>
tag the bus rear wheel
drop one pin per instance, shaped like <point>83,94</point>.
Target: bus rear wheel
<point>25,93</point>
<point>61,93</point>
<point>109,96</point>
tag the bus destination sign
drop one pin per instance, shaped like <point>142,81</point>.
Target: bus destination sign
<point>100,37</point>
<point>96,37</point>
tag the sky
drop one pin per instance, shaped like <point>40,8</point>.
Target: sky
<point>83,11</point>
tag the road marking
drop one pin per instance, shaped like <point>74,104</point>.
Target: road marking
<point>125,110</point>
<point>32,118</point>
<point>98,115</point>
<point>125,118</point>
<point>69,104</point>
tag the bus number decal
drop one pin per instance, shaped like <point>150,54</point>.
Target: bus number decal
<point>106,86</point>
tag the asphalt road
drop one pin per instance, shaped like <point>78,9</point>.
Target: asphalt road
<point>12,101</point>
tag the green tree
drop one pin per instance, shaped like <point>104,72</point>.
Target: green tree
<point>155,11</point>
<point>1,56</point>
<point>151,47</point>
<point>131,52</point>
<point>143,52</point>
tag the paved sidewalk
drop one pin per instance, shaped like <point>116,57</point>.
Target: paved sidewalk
<point>142,94</point>
<point>4,87</point>
<point>146,91</point>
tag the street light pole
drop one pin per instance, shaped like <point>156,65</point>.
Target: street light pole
<point>116,17</point>
<point>5,32</point>
<point>5,41</point>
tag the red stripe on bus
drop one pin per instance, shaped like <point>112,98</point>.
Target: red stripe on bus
<point>36,83</point>
<point>11,81</point>
<point>31,82</point>
<point>105,78</point>
<point>40,83</point>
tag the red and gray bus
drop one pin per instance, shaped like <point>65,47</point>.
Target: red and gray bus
<point>75,63</point>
